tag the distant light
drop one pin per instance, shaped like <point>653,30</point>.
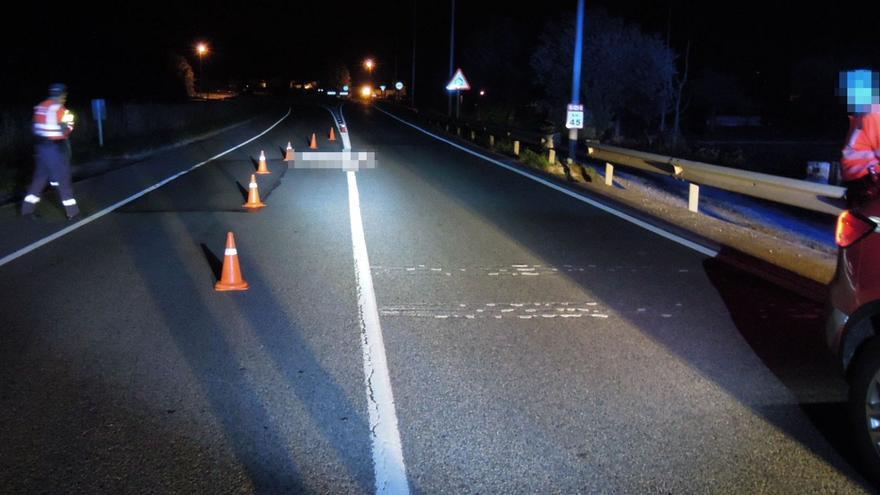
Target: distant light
<point>482,92</point>
<point>398,85</point>
<point>366,91</point>
<point>382,87</point>
<point>368,63</point>
<point>343,93</point>
<point>345,88</point>
<point>320,90</point>
<point>331,93</point>
<point>307,86</point>
<point>590,151</point>
<point>202,48</point>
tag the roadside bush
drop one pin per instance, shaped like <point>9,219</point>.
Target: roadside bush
<point>504,146</point>
<point>535,160</point>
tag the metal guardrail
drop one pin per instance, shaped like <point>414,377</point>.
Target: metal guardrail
<point>792,192</point>
<point>800,193</point>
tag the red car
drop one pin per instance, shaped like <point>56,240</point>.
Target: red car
<point>853,327</point>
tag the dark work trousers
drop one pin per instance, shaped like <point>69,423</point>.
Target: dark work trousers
<point>52,164</point>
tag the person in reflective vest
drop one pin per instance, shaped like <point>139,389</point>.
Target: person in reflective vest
<point>53,124</point>
<point>860,160</point>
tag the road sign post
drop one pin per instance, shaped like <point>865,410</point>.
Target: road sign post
<point>99,113</point>
<point>458,83</point>
<point>574,120</point>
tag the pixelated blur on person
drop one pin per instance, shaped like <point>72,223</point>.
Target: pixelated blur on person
<point>53,124</point>
<point>860,157</point>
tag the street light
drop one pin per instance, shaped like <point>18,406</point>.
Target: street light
<point>369,64</point>
<point>201,49</point>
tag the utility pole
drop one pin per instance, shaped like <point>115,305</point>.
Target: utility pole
<point>576,75</point>
<point>451,59</point>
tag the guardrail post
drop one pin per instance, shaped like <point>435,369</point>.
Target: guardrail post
<point>694,198</point>
<point>609,174</point>
<point>473,135</point>
<point>491,141</point>
<point>516,148</point>
<point>447,127</point>
<point>552,156</point>
<point>458,130</point>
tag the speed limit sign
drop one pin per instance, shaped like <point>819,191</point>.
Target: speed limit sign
<point>574,118</point>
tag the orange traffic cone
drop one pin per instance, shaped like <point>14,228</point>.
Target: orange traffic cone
<point>231,277</point>
<point>253,200</point>
<point>332,135</point>
<point>288,155</point>
<point>314,144</point>
<point>262,169</point>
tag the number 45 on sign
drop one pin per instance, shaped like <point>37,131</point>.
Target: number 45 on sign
<point>575,117</point>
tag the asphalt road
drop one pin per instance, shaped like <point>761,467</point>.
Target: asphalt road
<point>535,344</point>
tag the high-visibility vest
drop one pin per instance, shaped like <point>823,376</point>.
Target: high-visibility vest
<point>52,121</point>
<point>862,148</point>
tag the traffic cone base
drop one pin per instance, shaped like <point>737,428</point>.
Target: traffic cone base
<point>231,278</point>
<point>253,201</point>
<point>288,154</point>
<point>262,168</point>
<point>332,135</point>
<point>314,143</point>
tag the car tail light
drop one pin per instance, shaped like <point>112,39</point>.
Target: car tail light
<point>851,227</point>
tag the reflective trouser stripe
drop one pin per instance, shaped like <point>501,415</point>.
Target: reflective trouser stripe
<point>232,252</point>
<point>252,185</point>
<point>49,134</point>
<point>69,202</point>
<point>53,184</point>
<point>30,198</point>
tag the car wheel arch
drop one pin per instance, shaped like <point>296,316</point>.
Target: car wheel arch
<point>862,326</point>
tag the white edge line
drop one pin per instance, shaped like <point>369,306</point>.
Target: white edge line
<point>91,218</point>
<point>629,218</point>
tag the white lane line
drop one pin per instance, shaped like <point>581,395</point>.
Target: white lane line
<point>346,141</point>
<point>388,466</point>
<point>388,463</point>
<point>91,218</point>
<point>629,218</point>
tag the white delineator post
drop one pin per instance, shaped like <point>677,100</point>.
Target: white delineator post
<point>694,197</point>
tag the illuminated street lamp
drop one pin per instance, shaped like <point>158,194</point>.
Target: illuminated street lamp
<point>369,64</point>
<point>201,49</point>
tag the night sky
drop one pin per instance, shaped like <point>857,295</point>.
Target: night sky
<point>116,51</point>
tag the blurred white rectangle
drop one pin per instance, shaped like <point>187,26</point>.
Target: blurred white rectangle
<point>344,160</point>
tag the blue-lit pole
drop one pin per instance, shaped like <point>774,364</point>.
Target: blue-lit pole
<point>451,58</point>
<point>576,75</point>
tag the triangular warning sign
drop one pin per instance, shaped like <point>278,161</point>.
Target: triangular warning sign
<point>458,82</point>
